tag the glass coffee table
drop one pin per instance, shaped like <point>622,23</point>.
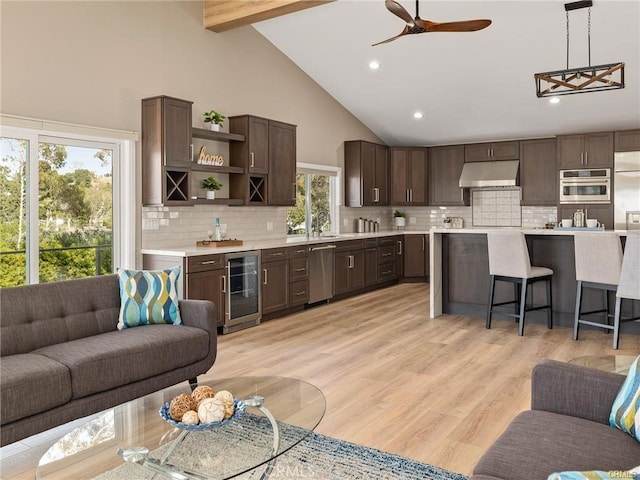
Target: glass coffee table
<point>133,441</point>
<point>607,363</point>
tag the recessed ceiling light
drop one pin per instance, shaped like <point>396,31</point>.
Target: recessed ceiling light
<point>374,65</point>
<point>554,100</point>
<point>417,115</point>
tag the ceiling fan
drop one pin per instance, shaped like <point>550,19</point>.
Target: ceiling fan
<point>418,25</point>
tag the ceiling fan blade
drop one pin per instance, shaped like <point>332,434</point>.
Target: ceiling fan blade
<point>463,26</point>
<point>404,32</point>
<point>399,11</point>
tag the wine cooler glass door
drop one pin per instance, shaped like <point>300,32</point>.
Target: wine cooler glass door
<point>243,290</point>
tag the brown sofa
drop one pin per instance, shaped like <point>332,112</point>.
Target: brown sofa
<point>566,429</point>
<point>63,357</point>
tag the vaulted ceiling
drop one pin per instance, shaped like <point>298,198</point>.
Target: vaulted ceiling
<point>471,86</point>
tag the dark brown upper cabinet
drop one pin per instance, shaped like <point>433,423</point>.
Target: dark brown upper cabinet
<point>486,152</point>
<point>585,150</point>
<point>627,141</point>
<point>538,174</point>
<point>408,176</point>
<point>366,168</point>
<point>445,167</point>
<point>269,159</point>
<point>166,151</point>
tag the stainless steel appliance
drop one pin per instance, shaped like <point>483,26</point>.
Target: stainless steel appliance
<point>587,185</point>
<point>626,198</point>
<point>320,273</point>
<point>489,174</point>
<point>242,290</point>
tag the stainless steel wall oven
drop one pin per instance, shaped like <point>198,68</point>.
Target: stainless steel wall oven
<point>242,290</point>
<point>591,185</point>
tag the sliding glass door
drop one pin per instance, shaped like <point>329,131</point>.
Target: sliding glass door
<point>57,209</point>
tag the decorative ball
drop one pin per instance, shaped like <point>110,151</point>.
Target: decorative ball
<point>190,417</point>
<point>225,397</point>
<point>229,410</point>
<point>181,404</point>
<point>211,410</point>
<point>202,392</point>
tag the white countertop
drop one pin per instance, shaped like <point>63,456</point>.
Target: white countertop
<point>192,250</point>
<point>526,231</point>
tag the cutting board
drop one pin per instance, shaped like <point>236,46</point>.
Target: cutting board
<point>221,243</point>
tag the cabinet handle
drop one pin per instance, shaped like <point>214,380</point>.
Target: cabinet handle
<point>264,270</point>
<point>488,152</point>
<point>376,194</point>
<point>399,247</point>
<point>586,158</point>
<point>224,284</point>
<point>581,158</point>
<point>300,251</point>
<point>297,294</point>
<point>386,254</point>
<point>462,195</point>
<point>350,264</point>
<point>406,195</point>
<point>411,195</point>
<point>191,151</point>
<point>276,254</point>
<point>300,269</point>
<point>209,262</point>
<point>294,191</point>
<point>253,157</point>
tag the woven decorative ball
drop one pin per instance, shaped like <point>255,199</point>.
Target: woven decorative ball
<point>225,397</point>
<point>181,404</point>
<point>211,410</point>
<point>229,410</point>
<point>190,417</point>
<point>202,392</point>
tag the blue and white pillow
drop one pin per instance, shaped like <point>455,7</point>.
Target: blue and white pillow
<point>148,297</point>
<point>625,412</point>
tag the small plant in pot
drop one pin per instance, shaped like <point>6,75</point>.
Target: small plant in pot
<point>214,119</point>
<point>399,218</point>
<point>210,184</point>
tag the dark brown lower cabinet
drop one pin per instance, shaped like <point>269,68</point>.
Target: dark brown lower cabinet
<point>208,285</point>
<point>349,271</point>
<point>416,255</point>
<point>275,286</point>
<point>371,263</point>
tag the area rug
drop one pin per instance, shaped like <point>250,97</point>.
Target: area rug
<point>317,457</point>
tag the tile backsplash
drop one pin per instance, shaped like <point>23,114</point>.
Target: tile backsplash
<point>166,227</point>
<point>496,207</point>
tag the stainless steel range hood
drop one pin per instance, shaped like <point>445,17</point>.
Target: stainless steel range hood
<point>489,174</point>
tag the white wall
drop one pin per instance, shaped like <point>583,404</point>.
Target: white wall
<point>91,62</point>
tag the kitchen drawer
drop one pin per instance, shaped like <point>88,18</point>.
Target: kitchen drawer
<point>298,269</point>
<point>387,271</point>
<point>383,241</point>
<point>299,251</point>
<point>203,263</point>
<point>387,254</point>
<point>371,243</point>
<point>350,245</point>
<point>298,293</point>
<point>273,254</point>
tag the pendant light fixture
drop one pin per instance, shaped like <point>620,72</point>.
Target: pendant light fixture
<point>584,79</point>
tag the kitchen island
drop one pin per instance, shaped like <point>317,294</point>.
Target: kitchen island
<point>459,275</point>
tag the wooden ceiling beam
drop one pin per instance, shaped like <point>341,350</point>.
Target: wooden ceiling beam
<point>222,15</point>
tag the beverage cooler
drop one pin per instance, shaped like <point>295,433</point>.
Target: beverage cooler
<point>242,290</point>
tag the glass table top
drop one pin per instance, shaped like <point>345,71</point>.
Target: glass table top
<point>135,432</point>
<point>607,363</point>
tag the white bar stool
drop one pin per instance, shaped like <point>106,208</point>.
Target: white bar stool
<point>509,262</point>
<point>629,286</point>
<point>598,259</point>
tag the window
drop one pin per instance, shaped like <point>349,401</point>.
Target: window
<point>316,204</point>
<point>60,214</point>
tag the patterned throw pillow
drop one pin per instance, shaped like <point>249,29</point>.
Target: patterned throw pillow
<point>625,412</point>
<point>148,297</point>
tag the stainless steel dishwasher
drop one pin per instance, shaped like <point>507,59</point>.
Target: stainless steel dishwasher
<point>320,272</point>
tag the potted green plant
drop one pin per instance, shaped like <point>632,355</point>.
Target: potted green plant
<point>210,184</point>
<point>214,119</point>
<point>399,218</point>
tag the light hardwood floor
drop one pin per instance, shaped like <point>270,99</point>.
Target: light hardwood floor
<point>436,390</point>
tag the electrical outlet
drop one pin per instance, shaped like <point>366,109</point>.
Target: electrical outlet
<point>412,220</point>
<point>269,226</point>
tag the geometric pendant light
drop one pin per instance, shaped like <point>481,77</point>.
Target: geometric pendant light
<point>584,79</point>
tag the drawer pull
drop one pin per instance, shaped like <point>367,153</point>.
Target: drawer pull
<point>300,293</point>
<point>300,270</point>
<point>386,254</point>
<point>209,262</point>
<point>276,254</point>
